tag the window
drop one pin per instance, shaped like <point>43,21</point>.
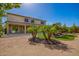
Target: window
<point>26,20</point>
<point>42,22</point>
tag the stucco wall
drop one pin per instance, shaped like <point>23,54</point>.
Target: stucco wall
<point>15,18</point>
<point>37,22</point>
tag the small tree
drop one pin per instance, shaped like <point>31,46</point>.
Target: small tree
<point>48,31</point>
<point>43,30</point>
<point>74,28</point>
<point>64,28</point>
<point>58,26</point>
<point>33,30</point>
<point>70,30</point>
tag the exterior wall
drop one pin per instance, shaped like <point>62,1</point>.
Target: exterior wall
<point>37,22</point>
<point>15,18</point>
<point>19,22</point>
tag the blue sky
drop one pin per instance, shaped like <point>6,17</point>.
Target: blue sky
<point>51,12</point>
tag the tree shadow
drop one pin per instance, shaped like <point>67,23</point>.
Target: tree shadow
<point>54,44</point>
<point>58,45</point>
<point>35,41</point>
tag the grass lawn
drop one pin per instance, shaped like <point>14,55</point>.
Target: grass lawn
<point>64,37</point>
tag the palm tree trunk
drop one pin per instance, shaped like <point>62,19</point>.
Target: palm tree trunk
<point>34,36</point>
<point>46,38</point>
<point>45,35</point>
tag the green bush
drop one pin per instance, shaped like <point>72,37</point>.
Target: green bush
<point>1,33</point>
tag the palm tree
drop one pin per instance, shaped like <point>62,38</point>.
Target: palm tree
<point>48,31</point>
<point>33,30</point>
<point>43,30</point>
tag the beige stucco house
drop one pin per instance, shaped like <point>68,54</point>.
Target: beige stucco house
<point>19,24</point>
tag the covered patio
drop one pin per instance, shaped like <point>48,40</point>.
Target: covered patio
<point>16,29</point>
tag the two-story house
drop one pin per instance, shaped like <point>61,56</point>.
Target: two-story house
<point>18,23</point>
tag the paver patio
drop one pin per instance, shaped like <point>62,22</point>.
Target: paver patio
<point>18,45</point>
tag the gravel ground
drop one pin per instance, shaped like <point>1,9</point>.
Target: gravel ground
<point>18,45</point>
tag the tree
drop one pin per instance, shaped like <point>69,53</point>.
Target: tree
<point>33,30</point>
<point>59,29</point>
<point>1,28</point>
<point>74,28</point>
<point>58,26</point>
<point>70,30</point>
<point>43,30</point>
<point>7,6</point>
<point>64,28</point>
<point>48,31</point>
<point>3,8</point>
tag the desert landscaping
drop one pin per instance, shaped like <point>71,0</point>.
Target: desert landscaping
<point>19,45</point>
<point>35,36</point>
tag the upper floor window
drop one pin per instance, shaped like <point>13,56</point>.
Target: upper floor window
<point>26,20</point>
<point>42,22</point>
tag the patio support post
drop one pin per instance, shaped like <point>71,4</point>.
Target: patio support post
<point>18,28</point>
<point>7,28</point>
<point>25,29</point>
